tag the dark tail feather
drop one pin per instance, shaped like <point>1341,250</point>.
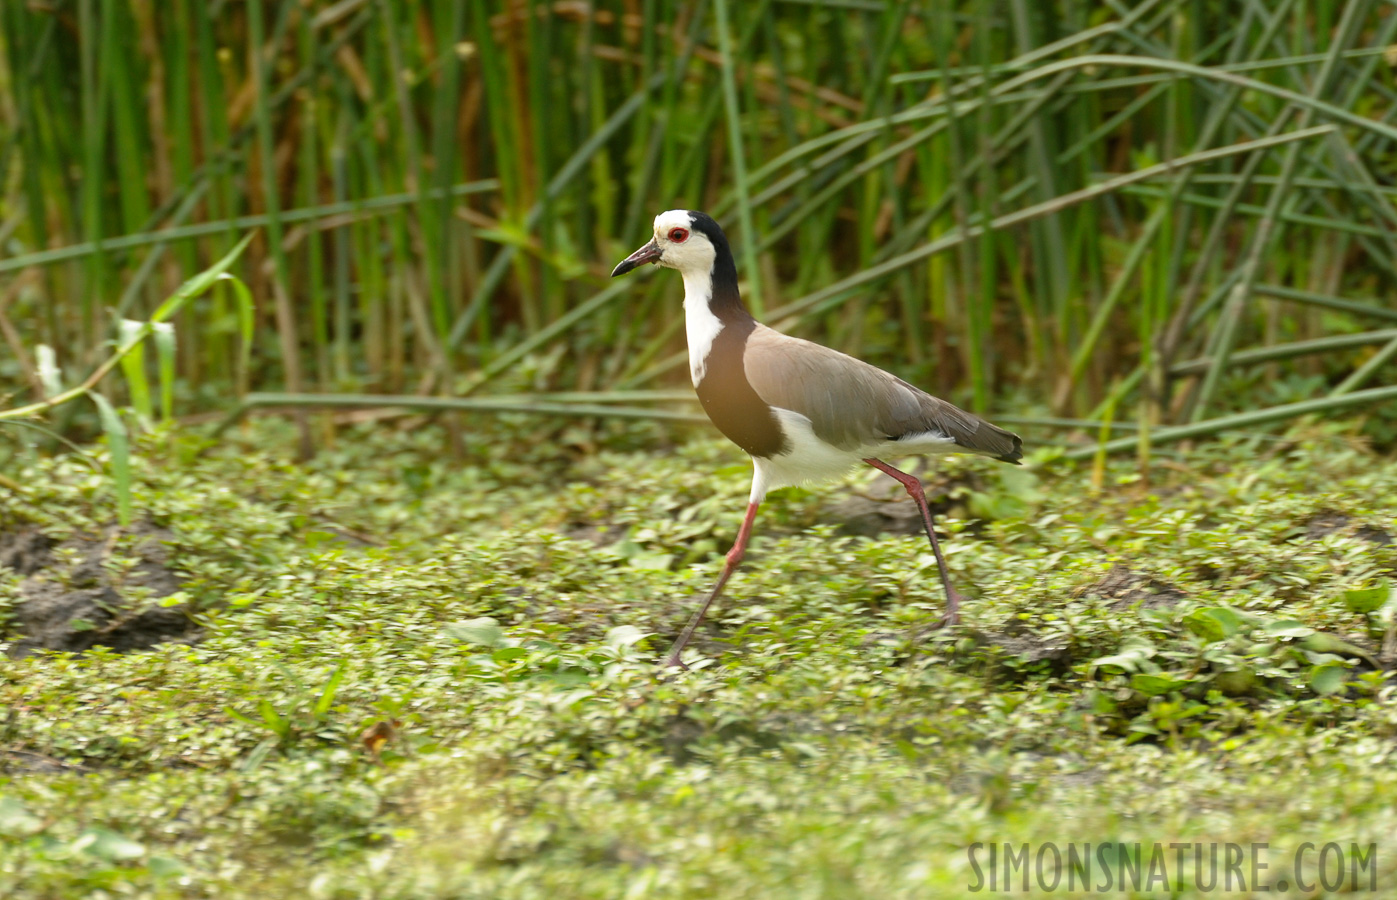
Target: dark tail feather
<point>997,443</point>
<point>1013,456</point>
<point>968,430</point>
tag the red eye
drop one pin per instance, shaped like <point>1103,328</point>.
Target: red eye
<point>679,235</point>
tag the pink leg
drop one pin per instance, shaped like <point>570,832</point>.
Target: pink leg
<point>734,557</point>
<point>914,487</point>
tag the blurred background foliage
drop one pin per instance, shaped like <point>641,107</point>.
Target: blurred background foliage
<point>440,188</point>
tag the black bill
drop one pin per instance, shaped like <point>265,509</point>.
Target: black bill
<point>647,254</point>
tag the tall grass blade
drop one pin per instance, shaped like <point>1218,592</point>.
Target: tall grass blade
<point>119,450</point>
<point>133,367</point>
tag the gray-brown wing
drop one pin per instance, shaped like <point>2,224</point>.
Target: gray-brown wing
<point>852,404</point>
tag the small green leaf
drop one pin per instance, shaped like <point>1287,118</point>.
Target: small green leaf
<point>569,699</point>
<point>246,720</point>
<point>1367,599</point>
<point>133,366</point>
<point>165,867</point>
<point>1288,628</point>
<point>1320,642</point>
<point>1213,623</point>
<point>1154,685</point>
<point>1235,683</point>
<point>46,363</point>
<point>15,820</point>
<point>327,695</point>
<point>274,720</point>
<point>1128,659</point>
<point>247,322</point>
<point>483,632</point>
<point>109,845</point>
<point>120,450</point>
<point>258,754</point>
<point>1328,679</point>
<point>172,600</point>
<point>201,282</point>
<point>165,351</point>
<point>625,636</point>
<point>651,559</point>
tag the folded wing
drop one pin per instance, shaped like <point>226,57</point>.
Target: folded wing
<point>853,405</point>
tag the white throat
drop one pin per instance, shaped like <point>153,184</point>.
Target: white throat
<point>700,325</point>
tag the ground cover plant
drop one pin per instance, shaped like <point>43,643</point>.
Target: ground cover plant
<point>399,674</point>
<point>346,504</point>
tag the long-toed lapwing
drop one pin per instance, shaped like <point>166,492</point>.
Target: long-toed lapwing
<point>804,412</point>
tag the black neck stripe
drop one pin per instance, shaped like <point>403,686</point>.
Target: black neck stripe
<point>727,396</point>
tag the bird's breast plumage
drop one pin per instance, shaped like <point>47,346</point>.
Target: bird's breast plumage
<point>729,400</point>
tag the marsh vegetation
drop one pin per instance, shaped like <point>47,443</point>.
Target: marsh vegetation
<point>345,504</point>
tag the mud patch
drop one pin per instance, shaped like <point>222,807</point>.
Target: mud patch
<point>1331,521</point>
<point>672,616</point>
<point>598,534</point>
<point>883,507</point>
<point>25,762</point>
<point>25,551</point>
<point>94,590</point>
<point>682,733</point>
<point>1016,652</point>
<point>1126,587</point>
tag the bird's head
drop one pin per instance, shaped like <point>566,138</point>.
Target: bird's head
<point>684,239</point>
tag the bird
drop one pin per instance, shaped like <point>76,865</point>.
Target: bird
<point>805,413</point>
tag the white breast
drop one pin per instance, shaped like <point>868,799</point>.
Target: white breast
<point>809,459</point>
<point>700,325</point>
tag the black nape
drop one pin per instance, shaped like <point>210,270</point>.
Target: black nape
<point>726,302</point>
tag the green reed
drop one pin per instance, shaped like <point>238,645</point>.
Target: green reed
<point>443,186</point>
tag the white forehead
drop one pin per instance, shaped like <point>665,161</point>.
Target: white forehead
<point>673,218</point>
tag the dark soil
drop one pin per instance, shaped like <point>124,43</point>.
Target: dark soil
<point>72,599</point>
<point>1330,521</point>
<point>1016,652</point>
<point>884,507</point>
<point>24,762</point>
<point>25,551</point>
<point>1126,587</point>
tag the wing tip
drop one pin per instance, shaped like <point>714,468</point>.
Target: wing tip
<point>1014,455</point>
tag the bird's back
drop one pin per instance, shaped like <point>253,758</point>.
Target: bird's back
<point>852,405</point>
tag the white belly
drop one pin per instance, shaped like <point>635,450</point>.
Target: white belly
<point>810,459</point>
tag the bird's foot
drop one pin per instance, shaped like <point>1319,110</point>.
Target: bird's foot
<point>953,602</point>
<point>674,662</point>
